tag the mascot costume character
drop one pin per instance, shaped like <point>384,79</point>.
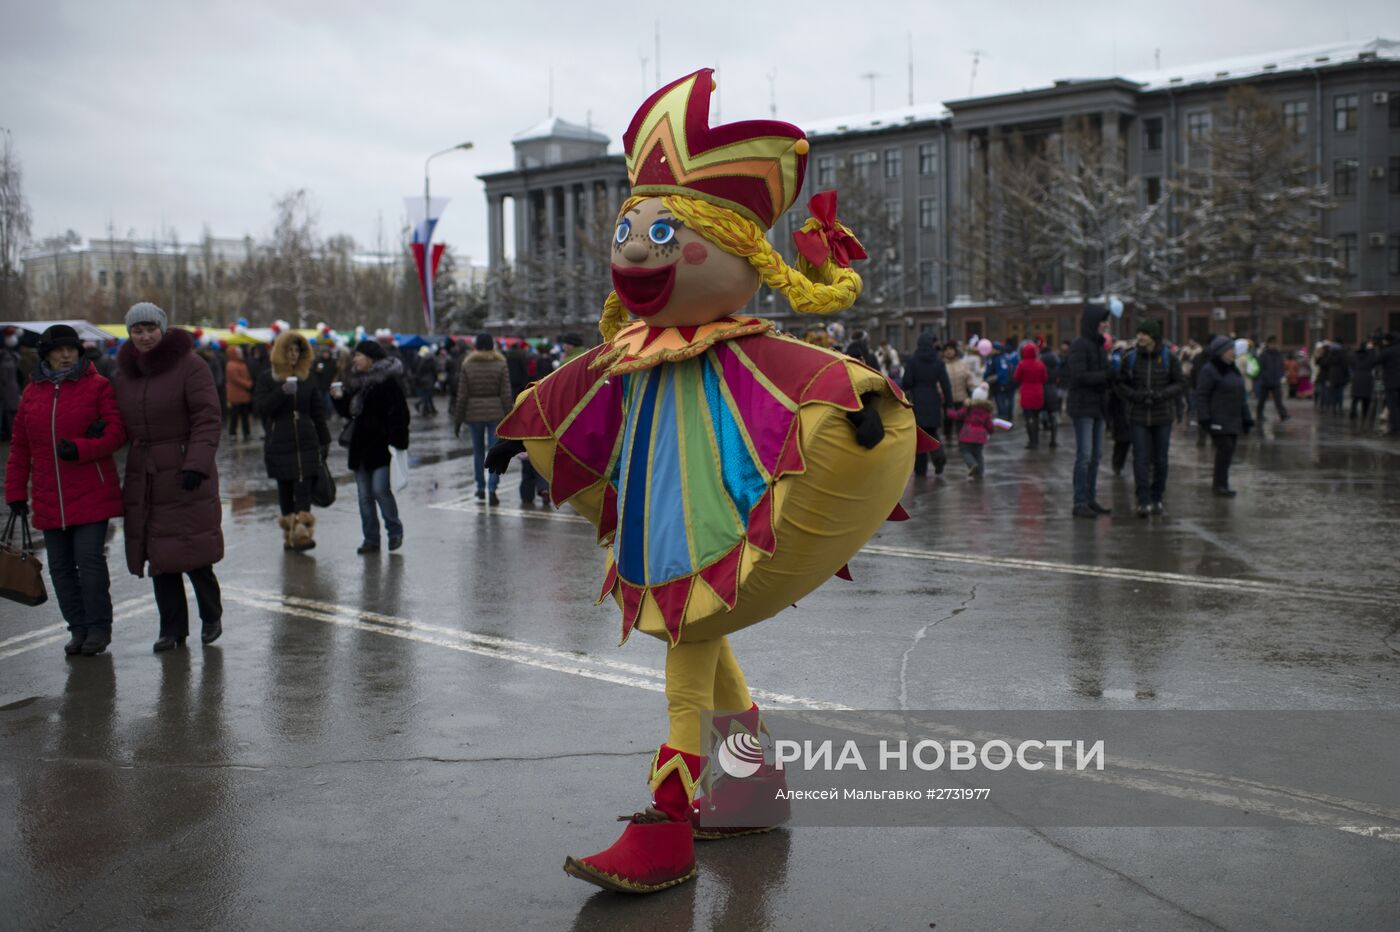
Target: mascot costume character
<point>729,469</point>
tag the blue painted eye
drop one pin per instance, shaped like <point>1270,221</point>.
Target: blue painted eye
<point>624,230</point>
<point>661,232</point>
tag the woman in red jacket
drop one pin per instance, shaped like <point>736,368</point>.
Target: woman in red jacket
<point>1031,375</point>
<point>67,428</point>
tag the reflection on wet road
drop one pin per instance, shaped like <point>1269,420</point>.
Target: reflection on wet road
<point>416,739</point>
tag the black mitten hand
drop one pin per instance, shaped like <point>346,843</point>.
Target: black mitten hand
<point>499,456</point>
<point>67,450</point>
<point>190,480</point>
<point>870,429</point>
<point>95,429</point>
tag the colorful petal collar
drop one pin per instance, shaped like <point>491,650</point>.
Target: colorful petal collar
<point>639,346</point>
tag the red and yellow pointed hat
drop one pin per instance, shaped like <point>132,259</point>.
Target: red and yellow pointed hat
<point>754,167</point>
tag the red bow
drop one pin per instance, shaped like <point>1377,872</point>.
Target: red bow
<point>826,238</point>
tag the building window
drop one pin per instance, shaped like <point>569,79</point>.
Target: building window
<point>1153,186</point>
<point>928,278</point>
<point>1346,253</point>
<point>928,213</point>
<point>160,279</point>
<point>894,213</point>
<point>1152,134</point>
<point>1197,125</point>
<point>894,161</point>
<point>1344,176</point>
<point>1395,254</point>
<point>1344,328</point>
<point>1344,112</point>
<point>826,172</point>
<point>1395,109</point>
<point>1394,174</point>
<point>928,158</point>
<point>119,279</point>
<point>1295,117</point>
<point>862,162</point>
<point>145,280</point>
<point>101,278</point>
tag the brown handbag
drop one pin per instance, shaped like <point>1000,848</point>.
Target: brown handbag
<point>21,573</point>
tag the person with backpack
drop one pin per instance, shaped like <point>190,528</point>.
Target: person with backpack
<point>998,375</point>
<point>1150,382</point>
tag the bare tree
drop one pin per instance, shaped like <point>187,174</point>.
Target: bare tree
<point>14,231</point>
<point>1251,215</point>
<point>294,277</point>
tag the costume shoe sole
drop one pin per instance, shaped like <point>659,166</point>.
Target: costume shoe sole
<point>576,868</point>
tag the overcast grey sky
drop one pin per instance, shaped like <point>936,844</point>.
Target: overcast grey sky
<point>181,114</point>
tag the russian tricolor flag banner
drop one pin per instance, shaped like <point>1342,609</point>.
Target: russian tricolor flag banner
<point>423,216</point>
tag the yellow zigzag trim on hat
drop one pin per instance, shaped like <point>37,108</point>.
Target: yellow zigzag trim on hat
<point>772,159</point>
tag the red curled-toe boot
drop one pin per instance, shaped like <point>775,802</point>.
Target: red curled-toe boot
<point>734,806</point>
<point>657,848</point>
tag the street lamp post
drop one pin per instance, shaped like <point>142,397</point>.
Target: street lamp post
<point>427,228</point>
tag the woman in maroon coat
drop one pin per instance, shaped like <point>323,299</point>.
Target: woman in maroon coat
<point>173,514</point>
<point>65,433</point>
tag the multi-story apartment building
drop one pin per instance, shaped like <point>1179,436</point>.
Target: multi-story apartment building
<point>913,166</point>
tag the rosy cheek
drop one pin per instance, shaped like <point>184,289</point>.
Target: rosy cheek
<point>695,253</point>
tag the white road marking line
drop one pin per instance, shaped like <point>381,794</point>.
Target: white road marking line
<point>49,629</point>
<point>624,674</point>
<point>32,645</point>
<point>522,652</point>
<point>1224,584</point>
<point>121,611</point>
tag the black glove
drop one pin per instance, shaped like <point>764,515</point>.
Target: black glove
<point>501,453</point>
<point>20,507</point>
<point>870,429</point>
<point>190,480</point>
<point>325,451</point>
<point>95,429</point>
<point>457,429</point>
<point>67,450</point>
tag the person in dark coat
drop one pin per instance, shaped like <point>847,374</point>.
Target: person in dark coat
<point>1116,414</point>
<point>1336,375</point>
<point>521,361</point>
<point>1388,359</point>
<point>9,383</point>
<point>174,519</point>
<point>1088,389</point>
<point>1363,380</point>
<point>1270,380</point>
<point>927,384</point>
<point>297,436</point>
<point>1150,382</point>
<point>1223,407</point>
<point>1054,384</point>
<point>373,400</point>
<point>66,429</point>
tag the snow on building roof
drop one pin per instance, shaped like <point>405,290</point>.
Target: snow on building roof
<point>871,122</point>
<point>1267,63</point>
<point>557,128</point>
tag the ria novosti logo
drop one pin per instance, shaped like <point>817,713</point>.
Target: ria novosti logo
<point>740,755</point>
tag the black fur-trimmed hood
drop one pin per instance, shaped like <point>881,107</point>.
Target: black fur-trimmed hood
<point>174,346</point>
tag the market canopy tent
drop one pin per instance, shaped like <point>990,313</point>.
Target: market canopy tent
<point>85,329</point>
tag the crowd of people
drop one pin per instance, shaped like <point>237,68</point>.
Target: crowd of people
<point>70,406</point>
<point>1132,393</point>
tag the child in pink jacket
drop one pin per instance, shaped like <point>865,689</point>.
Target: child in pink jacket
<point>977,424</point>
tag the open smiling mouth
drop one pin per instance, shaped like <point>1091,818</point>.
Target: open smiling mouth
<point>644,291</point>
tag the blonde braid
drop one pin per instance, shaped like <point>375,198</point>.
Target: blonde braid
<point>808,289</point>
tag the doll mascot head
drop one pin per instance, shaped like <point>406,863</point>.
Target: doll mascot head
<point>690,246</point>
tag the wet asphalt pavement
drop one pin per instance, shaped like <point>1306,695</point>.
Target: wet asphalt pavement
<point>416,740</point>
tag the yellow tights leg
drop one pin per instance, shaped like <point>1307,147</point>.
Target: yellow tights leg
<point>690,690</point>
<point>731,690</point>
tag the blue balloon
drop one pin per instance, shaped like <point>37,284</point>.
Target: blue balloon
<point>1115,307</point>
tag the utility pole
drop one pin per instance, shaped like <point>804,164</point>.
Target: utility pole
<point>871,76</point>
<point>772,94</point>
<point>976,60</point>
<point>910,37</point>
<point>643,59</point>
<point>657,26</point>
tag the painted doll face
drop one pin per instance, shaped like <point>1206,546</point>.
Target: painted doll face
<point>670,275</point>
